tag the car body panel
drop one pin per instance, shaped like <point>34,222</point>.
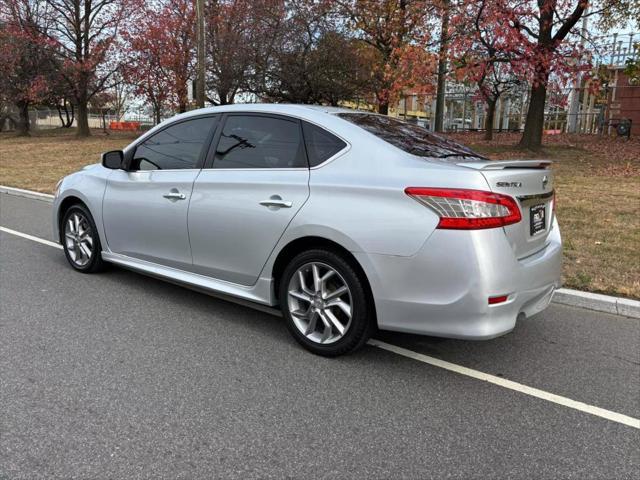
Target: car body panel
<point>443,290</point>
<point>232,234</point>
<point>141,223</point>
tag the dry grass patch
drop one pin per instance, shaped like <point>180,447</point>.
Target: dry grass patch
<point>38,162</point>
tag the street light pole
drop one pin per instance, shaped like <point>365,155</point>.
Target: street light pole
<point>201,56</point>
<point>442,69</point>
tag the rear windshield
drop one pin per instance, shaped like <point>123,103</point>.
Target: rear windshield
<point>409,137</point>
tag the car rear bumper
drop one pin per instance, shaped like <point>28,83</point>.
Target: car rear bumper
<point>444,289</point>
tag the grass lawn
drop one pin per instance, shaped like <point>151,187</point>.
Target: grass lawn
<point>597,184</point>
<point>38,162</point>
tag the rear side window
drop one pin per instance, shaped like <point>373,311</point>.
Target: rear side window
<point>250,141</point>
<point>409,137</point>
<point>176,147</point>
<point>321,145</point>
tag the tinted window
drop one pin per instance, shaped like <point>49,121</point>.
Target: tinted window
<point>408,137</point>
<point>259,142</point>
<point>175,147</point>
<point>321,145</point>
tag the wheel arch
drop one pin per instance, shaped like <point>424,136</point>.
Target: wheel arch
<point>65,204</point>
<point>302,244</point>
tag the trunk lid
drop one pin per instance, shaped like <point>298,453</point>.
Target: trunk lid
<point>530,182</point>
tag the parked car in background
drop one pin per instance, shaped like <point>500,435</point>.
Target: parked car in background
<point>348,221</point>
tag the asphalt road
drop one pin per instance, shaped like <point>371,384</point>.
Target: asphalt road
<point>117,375</point>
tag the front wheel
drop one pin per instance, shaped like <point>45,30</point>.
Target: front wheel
<point>81,241</point>
<point>324,303</point>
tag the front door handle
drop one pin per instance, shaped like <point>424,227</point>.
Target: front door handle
<point>174,195</point>
<point>275,201</point>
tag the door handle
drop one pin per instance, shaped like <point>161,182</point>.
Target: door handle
<point>175,196</point>
<point>276,202</point>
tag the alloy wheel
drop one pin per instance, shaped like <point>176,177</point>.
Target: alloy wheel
<point>320,303</point>
<point>78,237</point>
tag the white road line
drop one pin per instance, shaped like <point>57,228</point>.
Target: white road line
<point>452,367</point>
<point>518,387</point>
<point>31,237</point>
<point>21,192</point>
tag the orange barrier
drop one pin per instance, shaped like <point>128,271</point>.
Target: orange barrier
<point>129,126</point>
<point>552,132</point>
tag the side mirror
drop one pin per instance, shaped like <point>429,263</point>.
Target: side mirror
<point>113,159</point>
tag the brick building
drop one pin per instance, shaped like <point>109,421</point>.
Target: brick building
<point>624,99</point>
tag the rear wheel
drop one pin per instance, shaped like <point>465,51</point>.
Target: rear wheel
<point>80,240</point>
<point>324,302</point>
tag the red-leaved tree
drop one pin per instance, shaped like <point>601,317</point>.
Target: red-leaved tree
<point>26,59</point>
<point>534,41</point>
<point>482,55</point>
<point>397,32</point>
<point>160,55</point>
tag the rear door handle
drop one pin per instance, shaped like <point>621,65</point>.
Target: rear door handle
<point>276,202</point>
<point>175,196</point>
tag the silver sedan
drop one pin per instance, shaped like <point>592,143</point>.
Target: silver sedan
<point>348,221</point>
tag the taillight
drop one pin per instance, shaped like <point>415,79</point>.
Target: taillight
<point>463,209</point>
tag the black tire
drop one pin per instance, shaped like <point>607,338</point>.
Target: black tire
<point>363,321</point>
<point>95,262</point>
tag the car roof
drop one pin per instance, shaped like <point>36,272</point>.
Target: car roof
<point>283,108</point>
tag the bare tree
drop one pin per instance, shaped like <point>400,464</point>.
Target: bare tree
<point>85,33</point>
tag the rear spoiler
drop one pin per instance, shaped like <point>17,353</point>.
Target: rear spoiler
<point>503,164</point>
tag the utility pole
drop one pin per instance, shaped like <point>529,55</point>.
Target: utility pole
<point>199,94</point>
<point>574,104</point>
<point>442,68</point>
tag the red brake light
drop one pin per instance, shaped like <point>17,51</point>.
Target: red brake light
<point>500,299</point>
<point>463,209</point>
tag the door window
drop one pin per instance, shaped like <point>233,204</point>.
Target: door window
<point>176,147</point>
<point>251,141</point>
<point>321,145</point>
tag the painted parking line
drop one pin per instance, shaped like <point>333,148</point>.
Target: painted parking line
<point>31,237</point>
<point>502,382</point>
<point>452,367</point>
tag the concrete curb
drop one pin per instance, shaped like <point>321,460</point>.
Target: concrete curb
<point>598,302</point>
<point>19,192</point>
<point>563,296</point>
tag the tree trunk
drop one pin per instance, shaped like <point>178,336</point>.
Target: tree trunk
<point>182,97</point>
<point>24,123</point>
<point>83,118</point>
<point>71,118</point>
<point>62,124</point>
<point>488,122</point>
<point>67,120</point>
<point>383,108</point>
<point>534,124</point>
<point>222,95</point>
